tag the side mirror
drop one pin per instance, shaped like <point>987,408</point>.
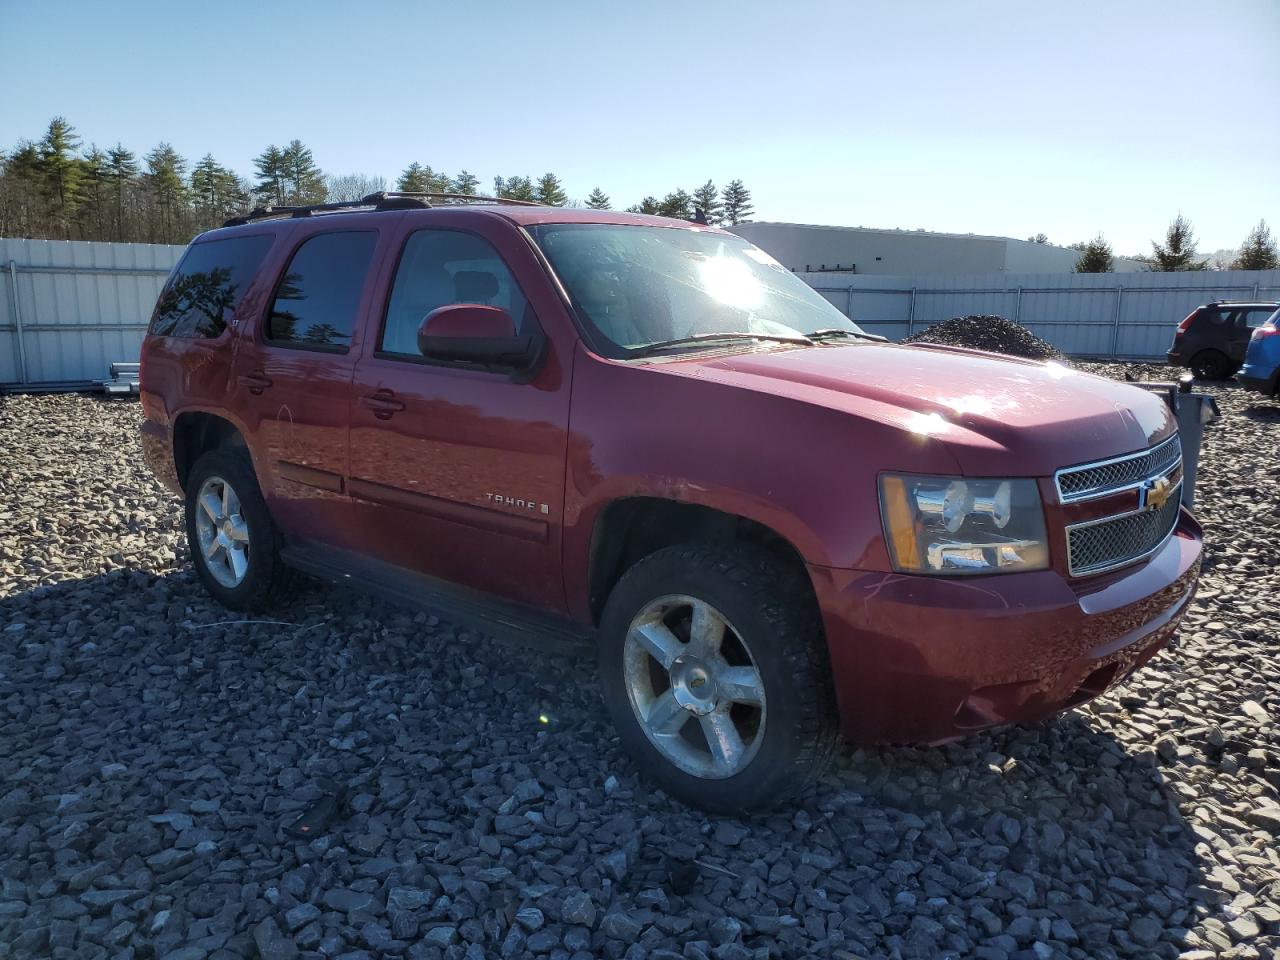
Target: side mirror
<point>474,333</point>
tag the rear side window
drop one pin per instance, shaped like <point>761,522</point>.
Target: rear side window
<point>442,267</point>
<point>1256,318</point>
<point>207,287</point>
<point>315,305</point>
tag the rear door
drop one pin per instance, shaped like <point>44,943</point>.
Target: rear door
<point>458,472</point>
<point>1248,319</point>
<point>293,376</point>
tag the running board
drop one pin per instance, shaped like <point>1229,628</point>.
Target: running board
<point>463,606</point>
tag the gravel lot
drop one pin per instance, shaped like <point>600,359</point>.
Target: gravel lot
<point>151,754</point>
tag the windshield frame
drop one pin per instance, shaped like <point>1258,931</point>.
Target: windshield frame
<point>600,343</point>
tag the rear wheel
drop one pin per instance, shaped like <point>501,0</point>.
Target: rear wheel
<point>1212,365</point>
<point>715,671</point>
<point>233,542</point>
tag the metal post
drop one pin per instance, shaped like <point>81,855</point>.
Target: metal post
<point>1017,307</point>
<point>1115,323</point>
<point>17,321</point>
<point>1255,290</point>
<point>911,314</point>
<point>848,303</point>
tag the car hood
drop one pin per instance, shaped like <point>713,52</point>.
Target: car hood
<point>996,415</point>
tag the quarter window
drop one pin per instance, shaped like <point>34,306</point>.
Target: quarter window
<point>207,287</point>
<point>441,267</point>
<point>317,299</point>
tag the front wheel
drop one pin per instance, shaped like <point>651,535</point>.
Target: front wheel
<point>715,671</point>
<point>233,542</point>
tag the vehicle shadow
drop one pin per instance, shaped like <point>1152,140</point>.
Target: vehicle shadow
<point>132,696</point>
<point>1263,412</point>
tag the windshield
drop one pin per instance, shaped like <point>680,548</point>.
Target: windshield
<point>637,286</point>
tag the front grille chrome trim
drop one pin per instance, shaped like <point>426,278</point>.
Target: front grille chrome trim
<point>1174,504</point>
<point>1163,457</point>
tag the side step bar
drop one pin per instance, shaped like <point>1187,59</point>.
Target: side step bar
<point>512,622</point>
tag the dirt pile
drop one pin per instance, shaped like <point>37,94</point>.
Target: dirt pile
<point>988,333</point>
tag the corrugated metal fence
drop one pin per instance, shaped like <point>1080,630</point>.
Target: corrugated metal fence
<point>1082,314</point>
<point>69,309</point>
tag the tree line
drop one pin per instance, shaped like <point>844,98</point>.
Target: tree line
<point>1178,252</point>
<point>56,188</point>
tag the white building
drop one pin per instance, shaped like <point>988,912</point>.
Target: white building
<point>806,247</point>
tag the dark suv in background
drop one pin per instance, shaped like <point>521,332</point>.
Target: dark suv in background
<point>1212,340</point>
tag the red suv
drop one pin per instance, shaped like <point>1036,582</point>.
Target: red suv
<point>774,526</point>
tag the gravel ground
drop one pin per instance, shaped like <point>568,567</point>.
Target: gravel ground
<point>151,754</point>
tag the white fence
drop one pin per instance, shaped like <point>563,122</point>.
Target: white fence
<point>69,309</point>
<point>1129,315</point>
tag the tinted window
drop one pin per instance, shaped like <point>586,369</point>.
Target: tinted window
<point>207,286</point>
<point>317,299</point>
<point>1259,316</point>
<point>440,267</point>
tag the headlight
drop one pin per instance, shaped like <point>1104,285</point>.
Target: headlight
<point>954,525</point>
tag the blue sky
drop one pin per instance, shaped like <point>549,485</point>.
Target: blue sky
<point>1004,118</point>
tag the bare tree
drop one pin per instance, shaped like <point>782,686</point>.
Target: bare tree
<point>351,186</point>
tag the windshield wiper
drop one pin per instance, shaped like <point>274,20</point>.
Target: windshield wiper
<point>712,337</point>
<point>831,333</point>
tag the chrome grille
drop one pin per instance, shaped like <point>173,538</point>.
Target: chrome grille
<point>1102,544</point>
<point>1108,476</point>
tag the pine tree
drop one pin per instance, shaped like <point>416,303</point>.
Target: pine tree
<point>303,179</point>
<point>514,188</point>
<point>737,203</point>
<point>1259,250</point>
<point>122,170</point>
<point>420,178</point>
<point>1179,249</point>
<point>550,191</point>
<point>271,188</point>
<point>165,186</point>
<point>678,205</point>
<point>707,199</point>
<point>92,194</point>
<point>61,171</point>
<point>599,200</point>
<point>215,192</point>
<point>465,183</point>
<point>647,205</point>
<point>1042,238</point>
<point>1095,256</point>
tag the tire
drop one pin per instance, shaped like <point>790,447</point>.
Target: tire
<point>1212,365</point>
<point>771,627</point>
<point>262,579</point>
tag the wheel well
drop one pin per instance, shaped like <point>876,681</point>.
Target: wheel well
<point>197,433</point>
<point>629,530</point>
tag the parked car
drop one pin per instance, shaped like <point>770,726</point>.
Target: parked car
<point>646,432</point>
<point>1261,370</point>
<point>1212,340</point>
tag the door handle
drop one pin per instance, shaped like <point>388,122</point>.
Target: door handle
<point>254,382</point>
<point>383,404</point>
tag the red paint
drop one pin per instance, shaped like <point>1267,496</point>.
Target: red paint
<point>497,483</point>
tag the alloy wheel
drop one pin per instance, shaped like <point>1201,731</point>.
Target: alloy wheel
<point>222,532</point>
<point>694,687</point>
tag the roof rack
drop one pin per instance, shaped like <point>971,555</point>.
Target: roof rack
<point>380,201</point>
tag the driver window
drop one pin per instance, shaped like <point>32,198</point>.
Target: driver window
<point>442,267</point>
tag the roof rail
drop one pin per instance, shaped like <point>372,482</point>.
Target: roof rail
<point>459,198</point>
<point>380,201</point>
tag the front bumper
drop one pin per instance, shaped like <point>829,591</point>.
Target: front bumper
<point>925,660</point>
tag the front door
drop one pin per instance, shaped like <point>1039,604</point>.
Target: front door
<point>294,381</point>
<point>456,471</point>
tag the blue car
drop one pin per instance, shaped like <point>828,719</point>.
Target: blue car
<point>1261,370</point>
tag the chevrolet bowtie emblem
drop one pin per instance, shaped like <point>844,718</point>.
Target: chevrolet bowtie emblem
<point>1156,493</point>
